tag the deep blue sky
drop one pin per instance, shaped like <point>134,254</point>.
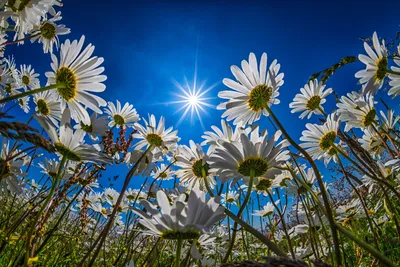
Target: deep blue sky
<point>146,43</point>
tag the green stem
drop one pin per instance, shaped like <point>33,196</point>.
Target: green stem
<point>327,205</point>
<point>365,246</point>
<point>239,215</point>
<point>178,253</point>
<point>31,92</point>
<point>35,221</point>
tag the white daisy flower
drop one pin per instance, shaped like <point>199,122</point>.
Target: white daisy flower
<point>50,168</point>
<point>48,105</point>
<point>79,74</point>
<point>319,140</point>
<point>225,134</point>
<point>266,211</point>
<point>155,135</point>
<point>125,116</point>
<point>27,14</point>
<point>98,208</point>
<point>311,99</point>
<point>395,78</point>
<point>183,220</point>
<point>23,103</point>
<point>255,89</point>
<point>162,172</point>
<point>257,154</point>
<point>10,168</point>
<point>283,178</point>
<point>28,77</point>
<point>389,122</point>
<point>69,143</point>
<point>373,143</point>
<point>48,31</point>
<point>357,111</point>
<point>3,39</point>
<point>97,127</point>
<point>230,197</point>
<point>194,169</point>
<point>376,62</point>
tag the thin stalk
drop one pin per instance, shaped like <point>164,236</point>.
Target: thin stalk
<point>321,186</point>
<point>31,92</point>
<point>178,253</point>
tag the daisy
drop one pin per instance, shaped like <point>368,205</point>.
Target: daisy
<point>225,134</point>
<point>48,105</point>
<point>50,168</point>
<point>194,169</point>
<point>156,136</point>
<point>10,168</point>
<point>257,156</point>
<point>69,143</point>
<point>24,103</point>
<point>146,166</point>
<point>27,14</point>
<point>125,116</point>
<point>3,39</point>
<point>283,178</point>
<point>162,172</point>
<point>319,140</point>
<point>48,31</point>
<point>28,77</point>
<point>311,99</point>
<point>395,76</point>
<point>97,127</point>
<point>255,89</point>
<point>373,143</point>
<point>181,220</point>
<point>389,122</point>
<point>357,111</point>
<point>230,197</point>
<point>79,75</point>
<point>266,211</point>
<point>376,62</point>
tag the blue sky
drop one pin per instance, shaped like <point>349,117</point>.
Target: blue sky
<point>147,43</point>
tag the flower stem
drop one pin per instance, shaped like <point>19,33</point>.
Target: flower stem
<point>31,92</point>
<point>329,212</point>
<point>20,40</point>
<point>239,215</point>
<point>39,214</point>
<point>361,243</point>
<point>178,253</point>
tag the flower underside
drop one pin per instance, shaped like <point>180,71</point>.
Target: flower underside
<point>87,128</point>
<point>67,77</point>
<point>25,79</point>
<point>188,234</point>
<point>48,31</point>
<point>264,184</point>
<point>66,152</point>
<point>154,139</point>
<point>119,120</point>
<point>259,97</point>
<point>382,64</point>
<point>313,103</point>
<point>258,165</point>
<point>43,108</point>
<point>200,170</point>
<point>327,140</point>
<point>5,168</point>
<point>369,118</point>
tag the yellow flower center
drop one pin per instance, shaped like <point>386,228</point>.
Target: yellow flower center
<point>327,140</point>
<point>369,118</point>
<point>382,64</point>
<point>67,77</point>
<point>313,102</point>
<point>259,97</point>
<point>25,80</point>
<point>42,107</point>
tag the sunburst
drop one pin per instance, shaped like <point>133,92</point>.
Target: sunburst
<point>193,100</point>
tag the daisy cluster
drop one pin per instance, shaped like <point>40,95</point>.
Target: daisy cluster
<point>242,193</point>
